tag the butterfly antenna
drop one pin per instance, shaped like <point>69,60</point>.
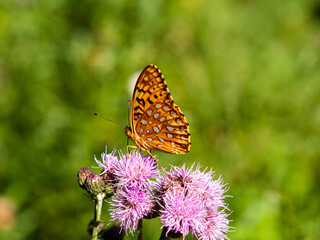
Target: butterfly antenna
<point>129,113</point>
<point>128,121</point>
<point>96,114</point>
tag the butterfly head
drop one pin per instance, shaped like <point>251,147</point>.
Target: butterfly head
<point>128,131</point>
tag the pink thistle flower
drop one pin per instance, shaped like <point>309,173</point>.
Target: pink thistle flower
<point>108,163</point>
<point>129,205</point>
<point>182,212</point>
<point>187,200</point>
<point>191,200</point>
<point>133,200</point>
<point>216,227</point>
<point>136,169</point>
<point>199,182</point>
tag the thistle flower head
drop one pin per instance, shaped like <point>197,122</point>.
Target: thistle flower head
<point>133,199</point>
<point>191,200</point>
<point>198,182</point>
<point>216,225</point>
<point>188,200</point>
<point>109,161</point>
<point>136,169</point>
<point>82,175</point>
<point>129,205</point>
<point>95,184</point>
<point>182,212</point>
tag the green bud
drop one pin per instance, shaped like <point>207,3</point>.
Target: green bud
<point>95,184</point>
<point>82,176</point>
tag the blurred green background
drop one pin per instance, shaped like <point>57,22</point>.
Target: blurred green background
<point>245,73</point>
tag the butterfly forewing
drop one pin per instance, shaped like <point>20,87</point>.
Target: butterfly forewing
<point>150,87</point>
<point>156,121</point>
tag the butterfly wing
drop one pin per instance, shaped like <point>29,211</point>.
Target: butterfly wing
<point>155,119</point>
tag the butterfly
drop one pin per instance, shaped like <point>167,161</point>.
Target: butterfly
<point>157,123</point>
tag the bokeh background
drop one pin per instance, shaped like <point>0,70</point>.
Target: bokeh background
<point>245,73</point>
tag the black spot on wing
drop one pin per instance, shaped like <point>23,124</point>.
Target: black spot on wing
<point>151,102</point>
<point>141,101</point>
<point>141,90</point>
<point>138,107</point>
<point>136,116</point>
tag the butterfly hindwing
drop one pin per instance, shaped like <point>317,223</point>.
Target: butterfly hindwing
<point>164,128</point>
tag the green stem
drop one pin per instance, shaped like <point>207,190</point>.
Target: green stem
<point>163,234</point>
<point>97,215</point>
<point>140,229</point>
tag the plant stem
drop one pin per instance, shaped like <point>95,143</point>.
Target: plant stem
<point>140,229</point>
<point>163,234</point>
<point>97,215</point>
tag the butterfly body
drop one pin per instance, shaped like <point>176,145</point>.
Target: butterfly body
<point>136,139</point>
<point>156,121</point>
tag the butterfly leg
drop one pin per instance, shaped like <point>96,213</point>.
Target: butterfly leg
<point>157,162</point>
<point>130,146</point>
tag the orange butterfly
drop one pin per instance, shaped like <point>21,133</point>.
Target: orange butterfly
<point>156,121</point>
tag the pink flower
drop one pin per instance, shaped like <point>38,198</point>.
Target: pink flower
<point>129,205</point>
<point>136,169</point>
<point>182,212</point>
<point>191,200</point>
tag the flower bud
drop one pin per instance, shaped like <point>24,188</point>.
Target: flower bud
<point>82,176</point>
<point>95,184</point>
